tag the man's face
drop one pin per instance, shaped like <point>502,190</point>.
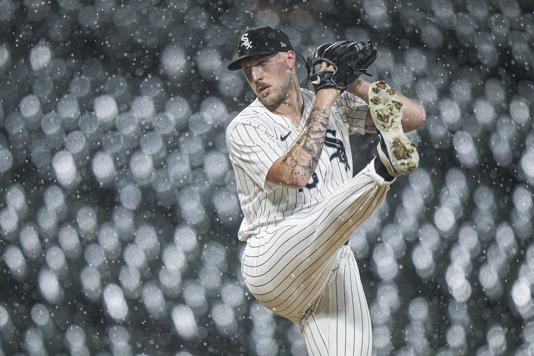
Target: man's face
<point>269,77</point>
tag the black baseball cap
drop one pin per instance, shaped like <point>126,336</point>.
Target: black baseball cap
<point>260,41</point>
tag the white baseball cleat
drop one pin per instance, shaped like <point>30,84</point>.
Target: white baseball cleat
<point>396,151</point>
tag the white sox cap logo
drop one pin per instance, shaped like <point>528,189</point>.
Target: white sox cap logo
<point>259,41</point>
<point>245,42</point>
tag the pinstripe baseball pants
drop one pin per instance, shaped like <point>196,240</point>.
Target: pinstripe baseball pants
<point>300,269</point>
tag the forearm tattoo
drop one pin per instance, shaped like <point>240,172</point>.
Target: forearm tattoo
<point>303,157</point>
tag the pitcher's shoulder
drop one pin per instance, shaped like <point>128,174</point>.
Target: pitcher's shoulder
<point>250,116</point>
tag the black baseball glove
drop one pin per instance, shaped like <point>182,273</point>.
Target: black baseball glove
<point>349,58</point>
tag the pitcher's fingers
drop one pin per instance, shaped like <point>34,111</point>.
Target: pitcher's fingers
<point>327,66</point>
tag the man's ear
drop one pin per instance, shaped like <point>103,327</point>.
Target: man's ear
<point>291,59</point>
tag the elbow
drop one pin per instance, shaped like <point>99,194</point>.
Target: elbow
<point>299,185</point>
<point>286,179</point>
<point>292,185</point>
<point>298,182</point>
<point>295,182</point>
<point>295,176</point>
<point>415,120</point>
<point>421,117</point>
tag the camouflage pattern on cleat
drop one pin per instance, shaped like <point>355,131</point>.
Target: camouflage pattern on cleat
<point>396,151</point>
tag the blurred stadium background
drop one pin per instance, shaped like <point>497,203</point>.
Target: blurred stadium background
<point>118,212</point>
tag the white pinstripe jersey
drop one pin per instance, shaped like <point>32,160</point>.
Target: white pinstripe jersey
<point>256,138</point>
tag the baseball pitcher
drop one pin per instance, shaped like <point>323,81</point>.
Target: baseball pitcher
<point>301,203</point>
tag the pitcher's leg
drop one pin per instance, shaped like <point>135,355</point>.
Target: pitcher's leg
<point>340,323</point>
<point>287,271</point>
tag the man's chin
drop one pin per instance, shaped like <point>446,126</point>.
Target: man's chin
<point>267,100</point>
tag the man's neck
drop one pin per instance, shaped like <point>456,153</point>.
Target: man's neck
<point>292,106</point>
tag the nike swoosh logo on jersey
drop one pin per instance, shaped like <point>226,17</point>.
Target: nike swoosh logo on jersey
<point>283,138</point>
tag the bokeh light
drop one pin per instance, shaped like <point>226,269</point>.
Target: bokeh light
<point>118,206</point>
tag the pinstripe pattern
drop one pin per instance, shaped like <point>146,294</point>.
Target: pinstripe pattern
<point>286,266</point>
<point>352,114</point>
<point>349,333</point>
<point>295,262</point>
<point>253,140</point>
